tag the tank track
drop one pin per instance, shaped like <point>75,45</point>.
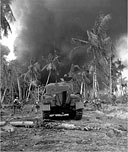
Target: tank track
<point>78,114</point>
<point>46,114</point>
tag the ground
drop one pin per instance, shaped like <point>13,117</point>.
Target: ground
<point>101,131</point>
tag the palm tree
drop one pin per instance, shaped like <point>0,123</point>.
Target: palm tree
<point>120,68</point>
<point>12,77</point>
<point>75,74</point>
<point>31,76</point>
<point>16,69</point>
<point>4,79</point>
<point>7,16</point>
<point>124,86</point>
<point>80,79</point>
<point>99,44</point>
<point>3,73</point>
<point>86,82</point>
<point>51,65</point>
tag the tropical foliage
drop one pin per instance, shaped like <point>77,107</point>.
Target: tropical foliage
<point>24,80</point>
<point>6,16</point>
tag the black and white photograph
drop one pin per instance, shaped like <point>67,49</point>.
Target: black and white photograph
<point>63,75</point>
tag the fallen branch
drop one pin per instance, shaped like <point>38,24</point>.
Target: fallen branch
<point>2,123</point>
<point>22,123</point>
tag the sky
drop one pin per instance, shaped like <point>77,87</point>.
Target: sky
<point>43,26</point>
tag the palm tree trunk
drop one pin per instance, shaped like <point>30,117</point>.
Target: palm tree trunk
<point>85,95</point>
<point>94,76</point>
<point>0,74</point>
<point>48,77</point>
<point>2,99</point>
<point>19,88</point>
<point>47,80</point>
<point>121,84</point>
<point>18,83</point>
<point>95,82</point>
<point>81,88</point>
<point>110,85</point>
<point>29,90</point>
<point>12,93</point>
<point>38,93</point>
<point>24,91</point>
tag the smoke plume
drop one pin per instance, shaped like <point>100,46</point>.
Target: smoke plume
<point>122,53</point>
<point>48,25</point>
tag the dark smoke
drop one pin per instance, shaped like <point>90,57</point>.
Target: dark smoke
<point>49,25</point>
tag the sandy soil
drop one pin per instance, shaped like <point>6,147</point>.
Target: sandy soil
<point>101,131</point>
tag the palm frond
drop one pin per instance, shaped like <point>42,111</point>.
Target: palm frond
<point>56,58</point>
<point>5,25</point>
<point>89,49</point>
<point>79,41</point>
<point>44,59</point>
<point>50,57</point>
<point>36,67</point>
<point>9,14</point>
<point>93,38</point>
<point>103,23</point>
<point>49,67</point>
<point>106,41</point>
<point>118,61</point>
<point>44,67</point>
<point>7,1</point>
<point>75,49</point>
<point>97,23</point>
<point>6,16</point>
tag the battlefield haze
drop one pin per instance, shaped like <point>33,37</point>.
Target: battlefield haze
<point>48,25</point>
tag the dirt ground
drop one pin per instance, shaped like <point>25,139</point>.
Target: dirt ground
<point>101,131</point>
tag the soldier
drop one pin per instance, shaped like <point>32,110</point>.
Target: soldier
<point>97,103</point>
<point>16,104</point>
<point>37,107</point>
<point>113,100</point>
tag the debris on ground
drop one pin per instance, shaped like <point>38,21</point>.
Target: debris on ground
<point>96,131</point>
<point>8,128</point>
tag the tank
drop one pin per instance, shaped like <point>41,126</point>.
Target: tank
<point>59,99</point>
